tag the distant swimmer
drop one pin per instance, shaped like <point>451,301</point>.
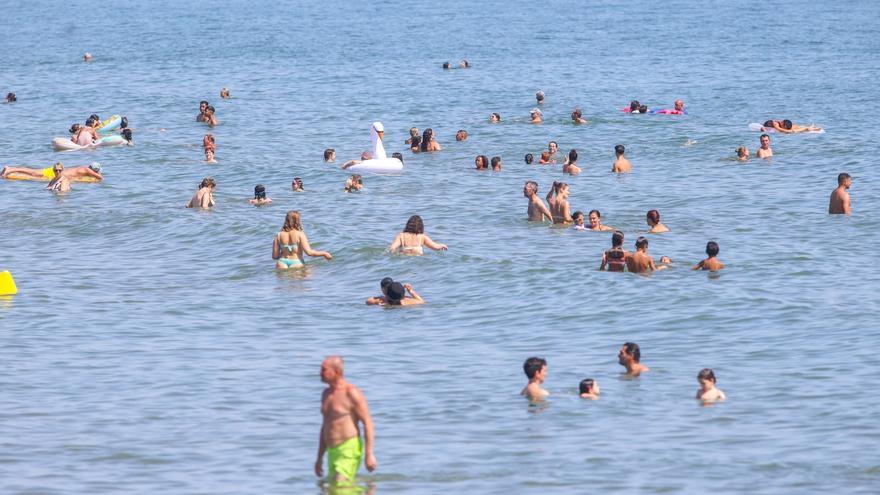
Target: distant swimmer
<point>630,357</point>
<point>461,135</point>
<point>537,210</point>
<point>640,261</point>
<point>553,149</point>
<point>578,219</point>
<point>416,145</point>
<point>711,263</point>
<point>595,218</point>
<point>621,164</point>
<point>496,163</point>
<point>577,116</point>
<point>354,183</point>
<point>557,200</point>
<point>529,158</point>
<point>678,109</point>
<point>546,159</point>
<point>653,220</point>
<point>86,135</point>
<point>344,408</point>
<point>329,155</point>
<point>396,294</point>
<point>413,133</point>
<point>210,118</point>
<point>788,127</point>
<point>382,299</point>
<point>297,185</point>
<point>224,93</point>
<point>11,98</point>
<point>495,117</point>
<point>742,154</point>
<point>447,65</point>
<point>377,138</point>
<point>203,105</point>
<point>481,162</point>
<point>536,371</point>
<point>589,389</point>
<point>60,183</point>
<point>204,196</point>
<point>73,173</point>
<point>614,259</point>
<point>210,148</point>
<point>292,243</point>
<point>429,143</point>
<point>765,151</point>
<point>840,204</point>
<point>636,107</point>
<point>464,64</point>
<point>537,116</point>
<point>260,198</point>
<point>87,57</point>
<point>707,391</point>
<point>366,155</point>
<point>539,97</point>
<point>413,238</point>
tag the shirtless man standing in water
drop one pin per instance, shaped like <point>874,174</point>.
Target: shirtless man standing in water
<point>839,204</point>
<point>641,261</point>
<point>343,406</point>
<point>538,211</point>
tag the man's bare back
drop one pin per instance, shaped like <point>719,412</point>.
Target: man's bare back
<point>640,262</point>
<point>621,166</point>
<point>839,203</point>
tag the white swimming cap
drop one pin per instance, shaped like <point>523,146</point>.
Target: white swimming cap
<point>378,127</point>
<point>95,166</point>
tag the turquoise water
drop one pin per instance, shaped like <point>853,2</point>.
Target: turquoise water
<point>153,348</point>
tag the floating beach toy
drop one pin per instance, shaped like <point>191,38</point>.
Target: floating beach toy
<point>7,284</point>
<point>380,163</point>
<point>65,144</point>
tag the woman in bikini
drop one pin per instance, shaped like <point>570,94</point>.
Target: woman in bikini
<point>614,259</point>
<point>291,243</point>
<point>413,237</point>
<point>557,200</point>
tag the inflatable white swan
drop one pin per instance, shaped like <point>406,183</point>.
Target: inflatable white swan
<point>380,163</point>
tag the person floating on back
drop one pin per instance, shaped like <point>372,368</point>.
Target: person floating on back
<point>711,263</point>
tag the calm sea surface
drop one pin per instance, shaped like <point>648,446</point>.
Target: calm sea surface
<point>154,349</point>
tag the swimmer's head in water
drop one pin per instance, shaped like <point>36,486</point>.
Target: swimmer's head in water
<point>844,178</point>
<point>712,248</point>
<point>207,182</point>
<point>366,155</point>
<point>203,105</point>
<point>416,144</point>
<point>586,386</point>
<point>533,366</point>
<point>90,122</point>
<point>297,184</point>
<point>495,117</point>
<point>95,166</point>
<point>768,124</point>
<point>10,97</point>
<point>329,155</point>
<point>787,124</point>
<point>634,106</point>
<point>414,225</point>
<point>679,105</point>
<point>578,217</point>
<point>209,110</point>
<point>87,57</point>
<point>259,192</point>
<point>545,156</point>
<point>464,64</point>
<point>642,243</point>
<point>496,163</point>
<point>617,239</point>
<point>384,283</point>
<point>706,375</point>
<point>742,152</point>
<point>124,123</point>
<point>447,65</point>
<point>58,168</point>
<point>630,350</point>
<point>536,113</point>
<point>572,156</point>
<point>529,158</point>
<point>577,114</point>
<point>539,96</point>
<point>292,221</point>
<point>653,217</point>
<point>552,146</point>
<point>413,131</point>
<point>126,134</point>
<point>397,155</point>
<point>74,128</point>
<point>619,150</point>
<point>530,187</point>
<point>461,135</point>
<point>643,109</point>
<point>765,140</point>
<point>95,117</point>
<point>395,293</point>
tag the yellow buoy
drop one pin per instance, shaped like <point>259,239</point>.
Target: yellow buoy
<point>7,284</point>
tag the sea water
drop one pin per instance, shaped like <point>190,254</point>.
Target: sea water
<point>152,348</point>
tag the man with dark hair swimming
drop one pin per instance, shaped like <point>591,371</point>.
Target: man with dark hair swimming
<point>630,357</point>
<point>535,369</point>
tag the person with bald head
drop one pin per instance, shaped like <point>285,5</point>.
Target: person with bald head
<point>343,407</point>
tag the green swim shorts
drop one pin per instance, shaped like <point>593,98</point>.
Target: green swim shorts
<point>345,459</point>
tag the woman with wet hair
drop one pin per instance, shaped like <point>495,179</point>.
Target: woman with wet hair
<point>653,219</point>
<point>557,200</point>
<point>413,237</point>
<point>428,141</point>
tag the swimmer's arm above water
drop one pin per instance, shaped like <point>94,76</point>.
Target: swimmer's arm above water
<point>276,251</point>
<point>433,245</point>
<point>395,245</point>
<point>409,288</point>
<point>304,242</point>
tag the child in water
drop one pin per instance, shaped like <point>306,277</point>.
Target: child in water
<point>589,389</point>
<point>354,183</point>
<point>707,391</point>
<point>578,218</point>
<point>297,185</point>
<point>260,198</point>
<point>711,263</point>
<point>210,148</point>
<point>742,153</point>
